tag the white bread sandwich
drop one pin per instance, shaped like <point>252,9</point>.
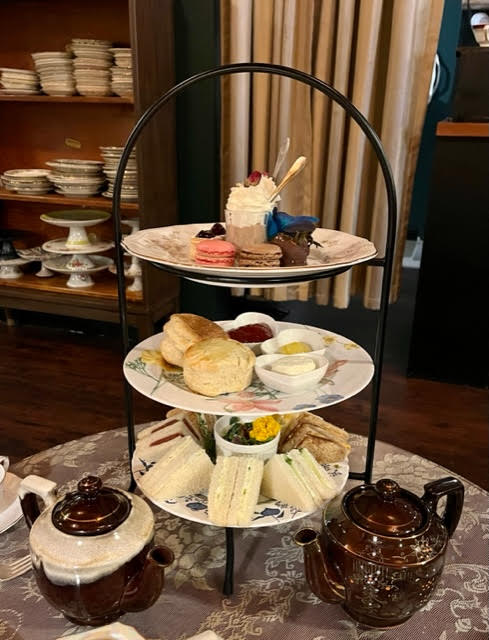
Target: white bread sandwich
<point>324,440</point>
<point>234,490</point>
<point>297,479</point>
<point>154,441</point>
<point>184,330</point>
<point>184,469</point>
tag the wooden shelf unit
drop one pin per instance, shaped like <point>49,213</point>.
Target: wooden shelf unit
<point>96,202</point>
<point>81,99</point>
<point>447,128</point>
<point>40,129</point>
<point>104,288</point>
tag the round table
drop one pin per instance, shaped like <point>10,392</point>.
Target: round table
<point>271,598</point>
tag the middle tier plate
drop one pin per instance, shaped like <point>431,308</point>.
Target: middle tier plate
<point>350,370</point>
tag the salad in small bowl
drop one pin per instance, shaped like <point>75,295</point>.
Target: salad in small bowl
<point>237,435</point>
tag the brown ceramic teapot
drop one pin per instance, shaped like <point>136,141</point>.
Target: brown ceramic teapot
<point>383,554</point>
<point>92,552</point>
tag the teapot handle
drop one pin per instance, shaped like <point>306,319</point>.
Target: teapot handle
<point>30,487</point>
<point>453,489</point>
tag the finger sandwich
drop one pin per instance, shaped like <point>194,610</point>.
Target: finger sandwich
<point>234,490</point>
<point>297,479</point>
<point>185,468</point>
<point>153,441</point>
<point>324,440</point>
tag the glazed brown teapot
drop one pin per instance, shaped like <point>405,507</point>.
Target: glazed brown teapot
<point>92,552</point>
<point>383,554</point>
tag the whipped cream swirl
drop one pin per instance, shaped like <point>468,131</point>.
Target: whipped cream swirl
<point>255,198</point>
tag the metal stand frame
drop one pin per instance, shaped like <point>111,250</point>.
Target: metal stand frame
<point>385,262</point>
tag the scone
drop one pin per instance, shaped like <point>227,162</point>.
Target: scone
<point>170,352</point>
<point>218,365</point>
<point>182,331</point>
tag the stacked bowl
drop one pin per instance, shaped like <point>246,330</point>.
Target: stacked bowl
<point>92,63</point>
<point>112,156</point>
<point>76,178</point>
<point>55,69</point>
<point>29,182</point>
<point>19,82</point>
<point>121,83</point>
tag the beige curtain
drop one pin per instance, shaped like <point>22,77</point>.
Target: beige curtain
<point>380,54</point>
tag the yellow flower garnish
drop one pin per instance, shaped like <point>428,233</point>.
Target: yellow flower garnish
<point>264,428</point>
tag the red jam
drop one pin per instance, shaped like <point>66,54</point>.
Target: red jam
<point>251,333</point>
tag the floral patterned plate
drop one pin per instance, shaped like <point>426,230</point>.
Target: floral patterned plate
<point>267,513</point>
<point>170,246</point>
<point>350,370</point>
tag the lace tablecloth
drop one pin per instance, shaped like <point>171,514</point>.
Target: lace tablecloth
<point>271,599</point>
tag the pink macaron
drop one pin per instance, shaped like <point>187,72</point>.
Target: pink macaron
<point>215,254</point>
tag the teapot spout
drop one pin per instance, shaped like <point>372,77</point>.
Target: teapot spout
<point>318,575</point>
<point>145,587</point>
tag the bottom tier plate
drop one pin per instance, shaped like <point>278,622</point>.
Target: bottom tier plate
<point>268,512</point>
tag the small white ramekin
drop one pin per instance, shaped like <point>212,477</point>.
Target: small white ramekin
<point>250,317</point>
<point>290,384</point>
<point>224,448</point>
<point>295,335</point>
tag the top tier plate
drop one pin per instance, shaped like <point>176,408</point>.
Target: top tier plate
<point>168,247</point>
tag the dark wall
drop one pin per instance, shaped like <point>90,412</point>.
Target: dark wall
<point>438,109</point>
<point>198,139</point>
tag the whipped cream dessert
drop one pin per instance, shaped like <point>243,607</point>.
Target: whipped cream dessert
<point>253,198</point>
<point>248,208</point>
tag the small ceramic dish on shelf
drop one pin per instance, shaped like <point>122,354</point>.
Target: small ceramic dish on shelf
<point>264,451</point>
<point>294,338</point>
<point>247,319</point>
<point>289,383</point>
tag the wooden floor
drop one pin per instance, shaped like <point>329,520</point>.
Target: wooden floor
<point>58,386</point>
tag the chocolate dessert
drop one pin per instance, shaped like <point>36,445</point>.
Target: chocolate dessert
<point>294,254</point>
<point>293,234</point>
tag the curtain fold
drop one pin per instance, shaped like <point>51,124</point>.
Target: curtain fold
<point>380,54</point>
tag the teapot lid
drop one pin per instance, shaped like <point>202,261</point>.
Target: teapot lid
<point>386,509</point>
<point>92,510</point>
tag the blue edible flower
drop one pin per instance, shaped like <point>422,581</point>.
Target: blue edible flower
<point>280,221</point>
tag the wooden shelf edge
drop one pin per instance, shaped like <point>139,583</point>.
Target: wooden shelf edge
<point>105,288</point>
<point>463,129</point>
<point>69,99</point>
<point>52,198</point>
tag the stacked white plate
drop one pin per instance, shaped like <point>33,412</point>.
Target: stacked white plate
<point>92,63</point>
<point>121,73</point>
<point>19,82</point>
<point>112,156</point>
<point>32,182</point>
<point>77,178</point>
<point>55,69</point>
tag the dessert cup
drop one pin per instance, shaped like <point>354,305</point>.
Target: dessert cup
<point>245,227</point>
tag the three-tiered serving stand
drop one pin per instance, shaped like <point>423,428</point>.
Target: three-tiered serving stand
<point>384,262</point>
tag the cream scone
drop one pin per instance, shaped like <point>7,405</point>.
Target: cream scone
<point>218,365</point>
<point>170,352</point>
<point>182,331</point>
